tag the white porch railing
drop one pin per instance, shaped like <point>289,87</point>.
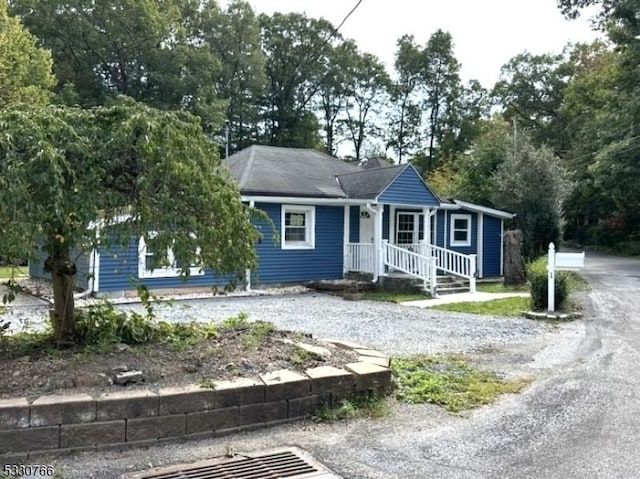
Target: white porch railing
<point>360,257</point>
<point>459,264</point>
<point>420,266</point>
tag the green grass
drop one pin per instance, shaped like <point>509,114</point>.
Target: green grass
<point>362,406</point>
<point>392,297</point>
<point>5,271</point>
<point>449,381</point>
<point>496,307</point>
<point>501,288</point>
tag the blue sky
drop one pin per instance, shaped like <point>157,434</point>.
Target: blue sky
<point>486,33</point>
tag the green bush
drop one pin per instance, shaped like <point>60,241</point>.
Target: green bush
<point>537,276</point>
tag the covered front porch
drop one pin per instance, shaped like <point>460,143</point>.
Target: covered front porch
<point>384,239</point>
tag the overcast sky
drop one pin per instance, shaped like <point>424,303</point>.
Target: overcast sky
<point>486,33</point>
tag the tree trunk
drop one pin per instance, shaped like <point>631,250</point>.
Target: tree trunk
<point>514,274</point>
<point>63,271</point>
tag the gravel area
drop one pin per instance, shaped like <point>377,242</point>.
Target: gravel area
<point>389,327</point>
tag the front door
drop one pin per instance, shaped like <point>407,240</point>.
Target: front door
<point>366,225</point>
<point>407,228</point>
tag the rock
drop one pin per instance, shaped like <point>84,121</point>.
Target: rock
<point>128,377</point>
<point>121,347</point>
<point>16,374</point>
<point>120,369</point>
<point>24,359</point>
<point>47,388</point>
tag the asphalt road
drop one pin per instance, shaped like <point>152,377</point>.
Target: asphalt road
<point>579,419</point>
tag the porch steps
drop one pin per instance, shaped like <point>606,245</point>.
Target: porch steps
<point>450,284</point>
<point>445,284</point>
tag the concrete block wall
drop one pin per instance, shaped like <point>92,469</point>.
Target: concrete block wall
<point>79,422</point>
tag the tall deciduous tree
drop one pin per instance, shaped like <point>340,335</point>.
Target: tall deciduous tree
<point>145,49</point>
<point>66,173</point>
<point>405,118</point>
<point>367,86</point>
<point>442,87</point>
<point>25,68</point>
<point>332,95</point>
<point>531,183</point>
<point>294,45</point>
<point>531,89</point>
<point>233,35</point>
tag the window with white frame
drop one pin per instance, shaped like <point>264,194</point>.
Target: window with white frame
<point>146,264</point>
<point>298,227</point>
<point>460,230</point>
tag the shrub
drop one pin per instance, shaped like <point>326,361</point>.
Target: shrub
<point>537,276</point>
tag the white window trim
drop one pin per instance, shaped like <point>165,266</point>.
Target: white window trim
<point>452,222</point>
<point>161,272</point>
<point>310,227</point>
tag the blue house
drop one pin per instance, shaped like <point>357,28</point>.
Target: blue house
<point>331,218</point>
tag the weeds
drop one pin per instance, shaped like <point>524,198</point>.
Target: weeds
<point>300,356</point>
<point>257,334</point>
<point>449,381</point>
<point>240,321</point>
<point>360,406</point>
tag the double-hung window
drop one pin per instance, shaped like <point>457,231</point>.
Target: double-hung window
<point>298,227</point>
<point>460,230</point>
<point>146,267</point>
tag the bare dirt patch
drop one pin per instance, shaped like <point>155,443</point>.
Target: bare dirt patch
<point>233,353</point>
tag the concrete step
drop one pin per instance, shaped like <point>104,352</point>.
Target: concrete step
<point>452,290</point>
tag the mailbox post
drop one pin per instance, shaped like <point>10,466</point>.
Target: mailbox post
<point>560,262</point>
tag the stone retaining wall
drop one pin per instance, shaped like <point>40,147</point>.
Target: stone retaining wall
<point>79,422</point>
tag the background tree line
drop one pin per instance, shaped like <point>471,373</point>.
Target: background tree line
<point>556,139</point>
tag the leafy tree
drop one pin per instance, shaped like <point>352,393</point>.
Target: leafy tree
<point>333,92</point>
<point>294,46</point>
<point>145,49</point>
<point>63,170</point>
<point>441,83</point>
<point>587,109</point>
<point>405,119</point>
<point>531,183</point>
<point>531,90</point>
<point>366,88</point>
<point>25,69</point>
<point>469,177</point>
<point>233,35</point>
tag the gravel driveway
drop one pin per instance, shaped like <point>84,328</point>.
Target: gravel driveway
<point>392,328</point>
<point>414,441</point>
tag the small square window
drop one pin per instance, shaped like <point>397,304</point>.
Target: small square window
<point>460,230</point>
<point>298,227</point>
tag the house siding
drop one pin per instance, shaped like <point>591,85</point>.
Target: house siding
<point>325,261</point>
<point>36,268</point>
<point>354,224</point>
<point>119,272</point>
<point>440,228</point>
<point>409,189</point>
<point>473,248</point>
<point>491,245</point>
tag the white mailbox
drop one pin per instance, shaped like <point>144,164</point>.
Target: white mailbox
<point>569,261</point>
<point>560,261</point>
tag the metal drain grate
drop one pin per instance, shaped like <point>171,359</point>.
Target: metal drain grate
<point>290,463</point>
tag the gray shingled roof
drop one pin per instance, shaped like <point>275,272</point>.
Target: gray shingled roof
<point>368,184</point>
<point>275,171</point>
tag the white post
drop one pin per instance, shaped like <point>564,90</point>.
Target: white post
<point>345,240</point>
<point>433,278</point>
<point>472,273</point>
<point>426,229</point>
<point>380,248</point>
<point>551,266</point>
